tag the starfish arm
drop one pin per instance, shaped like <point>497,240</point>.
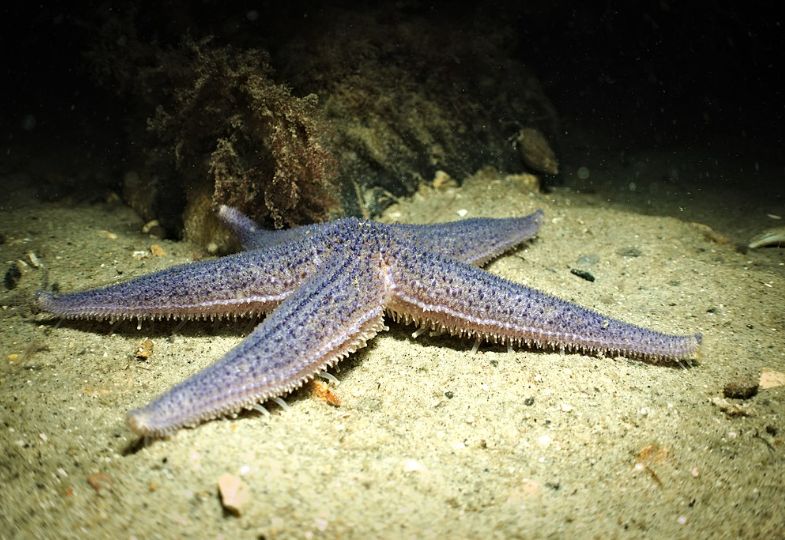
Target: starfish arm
<point>464,300</point>
<point>473,241</point>
<point>330,316</point>
<point>251,236</point>
<point>243,227</point>
<point>246,283</point>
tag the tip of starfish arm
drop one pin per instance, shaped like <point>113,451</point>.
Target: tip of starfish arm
<point>43,300</point>
<point>697,352</point>
<point>138,423</point>
<point>142,423</point>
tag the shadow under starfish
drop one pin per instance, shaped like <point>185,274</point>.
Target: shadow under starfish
<point>327,288</point>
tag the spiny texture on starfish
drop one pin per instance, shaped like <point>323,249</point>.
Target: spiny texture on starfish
<point>328,287</point>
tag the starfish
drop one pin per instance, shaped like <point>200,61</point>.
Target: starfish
<point>327,288</point>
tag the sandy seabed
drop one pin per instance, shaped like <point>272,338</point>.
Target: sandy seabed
<point>431,440</point>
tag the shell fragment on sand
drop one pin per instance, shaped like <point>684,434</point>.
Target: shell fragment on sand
<point>769,237</point>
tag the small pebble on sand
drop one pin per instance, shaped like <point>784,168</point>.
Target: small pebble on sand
<point>234,493</point>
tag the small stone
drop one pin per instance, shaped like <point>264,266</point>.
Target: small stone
<point>150,225</point>
<point>154,228</point>
<point>771,379</point>
<point>732,409</point>
<point>322,391</point>
<point>34,261</point>
<point>144,350</point>
<point>583,274</point>
<point>157,251</point>
<point>235,493</point>
<point>536,152</point>
<point>442,180</point>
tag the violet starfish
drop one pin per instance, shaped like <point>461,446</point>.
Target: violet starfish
<point>327,288</point>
